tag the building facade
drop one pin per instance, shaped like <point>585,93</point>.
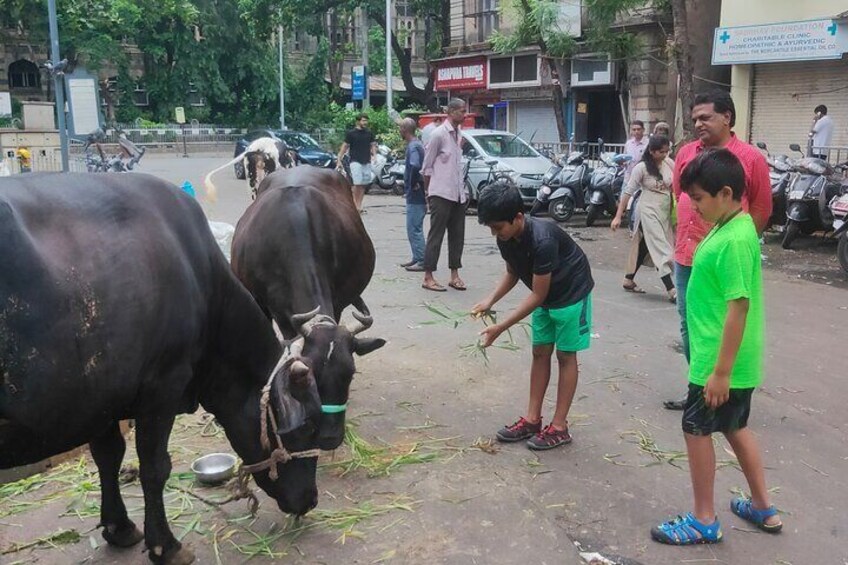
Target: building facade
<point>600,96</point>
<point>786,58</point>
<point>346,34</point>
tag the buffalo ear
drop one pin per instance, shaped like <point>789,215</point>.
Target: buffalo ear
<point>290,413</point>
<point>365,345</point>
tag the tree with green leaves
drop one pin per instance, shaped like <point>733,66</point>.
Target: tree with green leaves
<point>309,16</point>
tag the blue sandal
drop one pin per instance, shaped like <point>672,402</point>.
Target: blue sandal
<point>744,508</point>
<point>686,530</point>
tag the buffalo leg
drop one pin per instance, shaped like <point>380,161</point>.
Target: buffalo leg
<point>108,452</point>
<point>152,434</point>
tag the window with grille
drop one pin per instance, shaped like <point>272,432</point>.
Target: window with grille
<point>24,74</point>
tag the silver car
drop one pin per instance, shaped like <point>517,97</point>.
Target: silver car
<point>499,152</point>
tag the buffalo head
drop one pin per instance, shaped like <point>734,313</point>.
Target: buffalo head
<point>329,349</point>
<point>294,407</point>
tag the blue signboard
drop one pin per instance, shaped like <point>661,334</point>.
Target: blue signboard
<point>357,82</point>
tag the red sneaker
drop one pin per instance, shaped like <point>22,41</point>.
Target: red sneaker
<point>549,438</point>
<point>522,429</point>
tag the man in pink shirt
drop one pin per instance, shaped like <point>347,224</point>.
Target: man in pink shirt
<point>446,196</point>
<point>714,116</point>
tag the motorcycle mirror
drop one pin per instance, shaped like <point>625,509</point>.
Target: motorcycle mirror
<point>795,147</point>
<point>762,146</point>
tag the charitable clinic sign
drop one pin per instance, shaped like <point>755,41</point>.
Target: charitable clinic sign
<point>791,41</point>
<point>463,74</point>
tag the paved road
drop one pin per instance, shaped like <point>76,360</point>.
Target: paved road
<point>604,491</point>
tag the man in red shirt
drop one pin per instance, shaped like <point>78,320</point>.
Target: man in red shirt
<point>714,116</point>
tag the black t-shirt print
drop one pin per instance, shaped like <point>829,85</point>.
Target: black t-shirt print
<point>360,141</point>
<point>544,248</point>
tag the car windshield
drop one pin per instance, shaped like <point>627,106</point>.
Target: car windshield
<point>505,145</point>
<point>298,140</point>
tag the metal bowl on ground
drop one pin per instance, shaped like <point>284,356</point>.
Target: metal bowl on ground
<point>214,468</point>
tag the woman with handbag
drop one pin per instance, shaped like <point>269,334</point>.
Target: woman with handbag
<point>652,232</point>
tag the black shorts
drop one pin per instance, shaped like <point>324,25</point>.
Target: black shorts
<point>700,420</point>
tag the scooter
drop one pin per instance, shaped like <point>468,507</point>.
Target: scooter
<point>780,176</point>
<point>810,192</point>
<point>566,189</point>
<point>383,163</point>
<point>605,185</point>
<point>839,209</point>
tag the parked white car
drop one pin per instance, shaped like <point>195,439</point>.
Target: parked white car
<point>513,156</point>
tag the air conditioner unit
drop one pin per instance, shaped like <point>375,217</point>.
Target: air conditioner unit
<point>592,70</point>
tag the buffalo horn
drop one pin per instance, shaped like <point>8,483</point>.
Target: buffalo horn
<point>365,321</point>
<point>300,321</point>
<point>299,368</point>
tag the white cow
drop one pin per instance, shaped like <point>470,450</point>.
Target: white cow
<point>262,157</point>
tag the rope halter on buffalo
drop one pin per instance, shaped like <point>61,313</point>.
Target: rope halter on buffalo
<point>290,359</point>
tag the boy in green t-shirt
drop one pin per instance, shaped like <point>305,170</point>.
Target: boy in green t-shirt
<point>725,317</point>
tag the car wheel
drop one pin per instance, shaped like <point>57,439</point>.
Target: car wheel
<point>238,168</point>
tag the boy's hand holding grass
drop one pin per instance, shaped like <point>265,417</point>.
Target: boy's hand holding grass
<point>490,333</point>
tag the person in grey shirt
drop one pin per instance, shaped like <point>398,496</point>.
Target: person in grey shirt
<point>821,134</point>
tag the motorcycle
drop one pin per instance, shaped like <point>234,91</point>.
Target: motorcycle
<point>564,190</point>
<point>383,163</point>
<point>780,175</point>
<point>810,192</point>
<point>397,170</point>
<point>605,185</point>
<point>839,209</point>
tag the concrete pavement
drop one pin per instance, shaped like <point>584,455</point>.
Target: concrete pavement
<point>603,492</point>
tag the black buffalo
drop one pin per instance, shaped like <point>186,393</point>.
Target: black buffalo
<point>116,303</point>
<point>302,251</point>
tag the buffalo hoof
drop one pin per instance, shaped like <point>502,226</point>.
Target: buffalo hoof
<point>180,556</point>
<point>126,536</point>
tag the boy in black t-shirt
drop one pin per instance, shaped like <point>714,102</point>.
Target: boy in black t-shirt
<point>556,270</point>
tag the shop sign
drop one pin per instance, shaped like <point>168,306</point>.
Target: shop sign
<point>791,41</point>
<point>462,74</point>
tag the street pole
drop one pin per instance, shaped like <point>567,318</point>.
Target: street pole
<point>366,102</point>
<point>389,56</point>
<point>58,87</point>
<point>282,86</point>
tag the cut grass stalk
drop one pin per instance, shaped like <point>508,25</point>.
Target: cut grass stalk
<point>57,538</point>
<point>347,519</point>
<point>379,461</point>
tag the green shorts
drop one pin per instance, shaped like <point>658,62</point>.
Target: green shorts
<point>568,327</point>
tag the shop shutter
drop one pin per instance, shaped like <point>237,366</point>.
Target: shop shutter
<point>784,97</point>
<point>537,118</point>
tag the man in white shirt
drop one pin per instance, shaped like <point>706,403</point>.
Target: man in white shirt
<point>635,146</point>
<point>821,133</point>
